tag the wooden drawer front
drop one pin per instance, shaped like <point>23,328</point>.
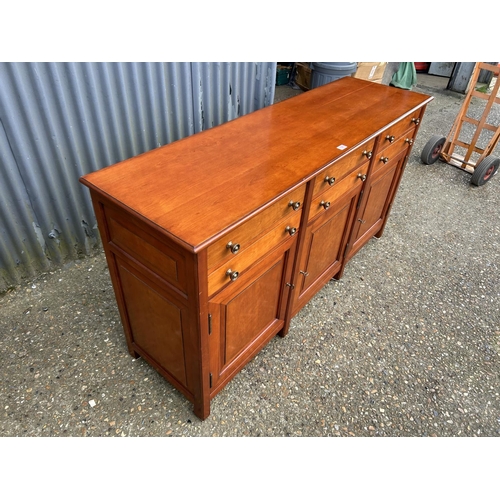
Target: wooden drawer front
<point>245,234</point>
<point>245,258</point>
<point>398,129</point>
<point>353,180</point>
<point>386,155</point>
<point>342,167</point>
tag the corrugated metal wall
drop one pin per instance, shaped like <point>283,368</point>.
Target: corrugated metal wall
<point>59,121</point>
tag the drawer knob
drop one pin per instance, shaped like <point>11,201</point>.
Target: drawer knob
<point>368,154</point>
<point>416,121</point>
<point>291,230</point>
<point>294,204</point>
<point>330,180</point>
<point>233,275</point>
<point>305,273</point>
<point>234,247</point>
<point>362,177</point>
<point>390,138</point>
<point>362,221</point>
<point>384,159</point>
<point>409,141</point>
<point>325,204</point>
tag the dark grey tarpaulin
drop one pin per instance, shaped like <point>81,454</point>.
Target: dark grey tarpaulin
<point>59,121</point>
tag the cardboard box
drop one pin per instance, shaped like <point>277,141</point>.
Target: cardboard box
<point>372,71</point>
<point>303,75</point>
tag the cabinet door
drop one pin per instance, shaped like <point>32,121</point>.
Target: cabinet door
<point>244,316</point>
<point>377,198</point>
<point>324,245</point>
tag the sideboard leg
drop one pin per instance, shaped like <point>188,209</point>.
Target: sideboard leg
<point>283,332</point>
<point>338,276</point>
<point>202,409</point>
<point>134,354</point>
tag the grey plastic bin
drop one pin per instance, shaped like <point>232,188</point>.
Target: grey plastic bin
<point>326,72</point>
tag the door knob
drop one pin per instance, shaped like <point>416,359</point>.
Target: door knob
<point>233,275</point>
<point>234,247</point>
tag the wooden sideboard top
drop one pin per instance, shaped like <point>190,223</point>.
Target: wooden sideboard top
<point>200,186</point>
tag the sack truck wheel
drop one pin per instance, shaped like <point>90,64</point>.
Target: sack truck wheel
<point>485,170</point>
<point>432,149</point>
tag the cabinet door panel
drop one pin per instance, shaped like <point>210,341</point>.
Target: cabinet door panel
<point>323,248</point>
<point>251,311</point>
<point>376,200</point>
<point>375,205</point>
<point>247,314</point>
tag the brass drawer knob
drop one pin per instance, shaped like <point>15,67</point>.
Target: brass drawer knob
<point>294,204</point>
<point>362,177</point>
<point>233,275</point>
<point>390,138</point>
<point>368,154</point>
<point>409,141</point>
<point>234,247</point>
<point>416,121</point>
<point>291,230</point>
<point>325,204</point>
<point>384,159</point>
<point>330,180</point>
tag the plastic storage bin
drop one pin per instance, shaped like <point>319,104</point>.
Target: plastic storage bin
<point>326,72</point>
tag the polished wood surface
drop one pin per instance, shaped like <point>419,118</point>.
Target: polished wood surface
<point>214,242</point>
<point>200,186</point>
<point>247,314</point>
<point>245,234</point>
<point>246,258</point>
<point>339,169</point>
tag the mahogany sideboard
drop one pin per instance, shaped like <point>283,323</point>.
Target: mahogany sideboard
<point>216,241</point>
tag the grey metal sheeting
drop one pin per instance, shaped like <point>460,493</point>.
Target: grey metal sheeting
<point>59,121</point>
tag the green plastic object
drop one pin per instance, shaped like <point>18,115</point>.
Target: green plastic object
<point>405,77</point>
<point>283,74</point>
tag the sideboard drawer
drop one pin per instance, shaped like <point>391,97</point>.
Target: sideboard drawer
<point>385,156</point>
<point>338,170</point>
<point>286,228</point>
<point>240,238</point>
<point>326,198</point>
<point>395,131</point>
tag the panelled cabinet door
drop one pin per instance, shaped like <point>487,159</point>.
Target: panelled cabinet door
<point>247,314</point>
<point>324,246</point>
<point>375,204</point>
